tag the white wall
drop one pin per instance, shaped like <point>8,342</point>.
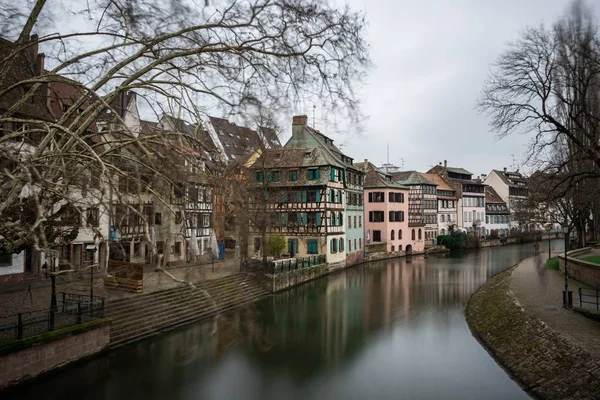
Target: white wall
<point>498,184</point>
<point>18,265</point>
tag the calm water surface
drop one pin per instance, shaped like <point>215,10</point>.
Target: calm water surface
<point>389,330</point>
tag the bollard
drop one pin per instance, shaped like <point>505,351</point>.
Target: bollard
<point>79,316</point>
<point>51,321</point>
<point>19,326</point>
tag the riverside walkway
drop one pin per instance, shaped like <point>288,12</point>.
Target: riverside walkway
<point>551,352</point>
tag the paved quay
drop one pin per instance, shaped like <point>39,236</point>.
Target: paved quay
<point>551,352</point>
<point>18,298</point>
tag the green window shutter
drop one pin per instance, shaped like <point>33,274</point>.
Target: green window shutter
<point>318,219</point>
<point>304,218</point>
<point>298,196</point>
<point>341,175</point>
<point>340,197</point>
<point>332,174</point>
<point>304,196</point>
<point>298,218</point>
<point>284,219</point>
<point>318,195</point>
<point>317,174</point>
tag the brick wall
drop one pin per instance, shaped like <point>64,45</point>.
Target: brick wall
<point>33,361</point>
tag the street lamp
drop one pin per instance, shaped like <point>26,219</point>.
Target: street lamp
<point>565,229</point>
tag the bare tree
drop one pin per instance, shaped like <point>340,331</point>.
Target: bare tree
<point>547,84</point>
<point>177,56</point>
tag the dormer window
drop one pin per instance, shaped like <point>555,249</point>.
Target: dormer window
<point>307,154</point>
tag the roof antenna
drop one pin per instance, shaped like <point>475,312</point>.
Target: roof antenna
<point>402,164</point>
<point>388,153</point>
<point>514,162</point>
<point>314,109</point>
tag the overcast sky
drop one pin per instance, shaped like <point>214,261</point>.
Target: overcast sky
<point>431,58</point>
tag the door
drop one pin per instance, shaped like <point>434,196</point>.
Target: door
<point>292,247</point>
<point>28,261</point>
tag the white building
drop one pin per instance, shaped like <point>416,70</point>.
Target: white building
<point>512,187</point>
<point>497,215</point>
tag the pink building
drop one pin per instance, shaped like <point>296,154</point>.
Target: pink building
<point>386,213</point>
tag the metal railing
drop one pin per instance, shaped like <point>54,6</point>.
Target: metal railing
<point>73,303</point>
<point>589,296</point>
<point>73,310</point>
<point>291,264</point>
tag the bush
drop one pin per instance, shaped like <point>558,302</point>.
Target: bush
<point>552,263</point>
<point>275,245</point>
<point>456,241</point>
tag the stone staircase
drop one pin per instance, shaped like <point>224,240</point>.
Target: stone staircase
<point>149,314</point>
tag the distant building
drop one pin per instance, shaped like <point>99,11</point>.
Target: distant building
<point>447,203</point>
<point>234,141</point>
<point>512,188</point>
<point>386,213</point>
<point>497,215</point>
<point>313,196</point>
<point>471,196</point>
<point>422,205</point>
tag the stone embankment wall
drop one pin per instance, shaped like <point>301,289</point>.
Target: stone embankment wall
<point>582,271</point>
<point>29,358</point>
<point>284,280</point>
<point>543,362</point>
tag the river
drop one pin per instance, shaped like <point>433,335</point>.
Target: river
<point>392,329</point>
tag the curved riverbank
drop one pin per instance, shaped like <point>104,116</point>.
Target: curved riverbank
<point>546,364</point>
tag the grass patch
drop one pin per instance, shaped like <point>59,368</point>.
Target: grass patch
<point>592,259</point>
<point>552,263</point>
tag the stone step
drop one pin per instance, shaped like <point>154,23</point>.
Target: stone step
<point>145,296</point>
<point>177,307</point>
<point>183,320</point>
<point>117,306</point>
<point>180,298</point>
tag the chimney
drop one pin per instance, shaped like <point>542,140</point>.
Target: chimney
<point>32,51</point>
<point>366,163</point>
<point>445,164</point>
<point>504,169</point>
<point>299,120</point>
<point>39,64</point>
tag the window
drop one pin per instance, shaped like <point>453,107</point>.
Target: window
<point>312,246</point>
<point>341,219</point>
<point>257,243</point>
<point>71,216</point>
<point>420,235</point>
<point>360,221</point>
<point>5,259</point>
<point>313,174</point>
<point>157,218</point>
<point>293,176</point>
<point>260,176</point>
<point>377,236</point>
<point>333,245</point>
<point>177,248</point>
<point>376,197</point>
<point>376,216</point>
<point>413,234</point>
<point>392,234</point>
<point>341,245</point>
<point>399,234</point>
<point>178,217</point>
<point>355,223</point>
<point>393,249</point>
<point>349,222</point>
<point>160,247</point>
<point>205,220</point>
<point>355,244</point>
<point>391,197</point>
<point>273,176</point>
<point>360,243</point>
<point>350,245</point>
<point>396,216</point>
<point>92,216</point>
<point>442,218</point>
<point>194,194</point>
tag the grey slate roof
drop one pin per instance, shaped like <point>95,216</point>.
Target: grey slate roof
<point>411,178</point>
<point>375,178</point>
